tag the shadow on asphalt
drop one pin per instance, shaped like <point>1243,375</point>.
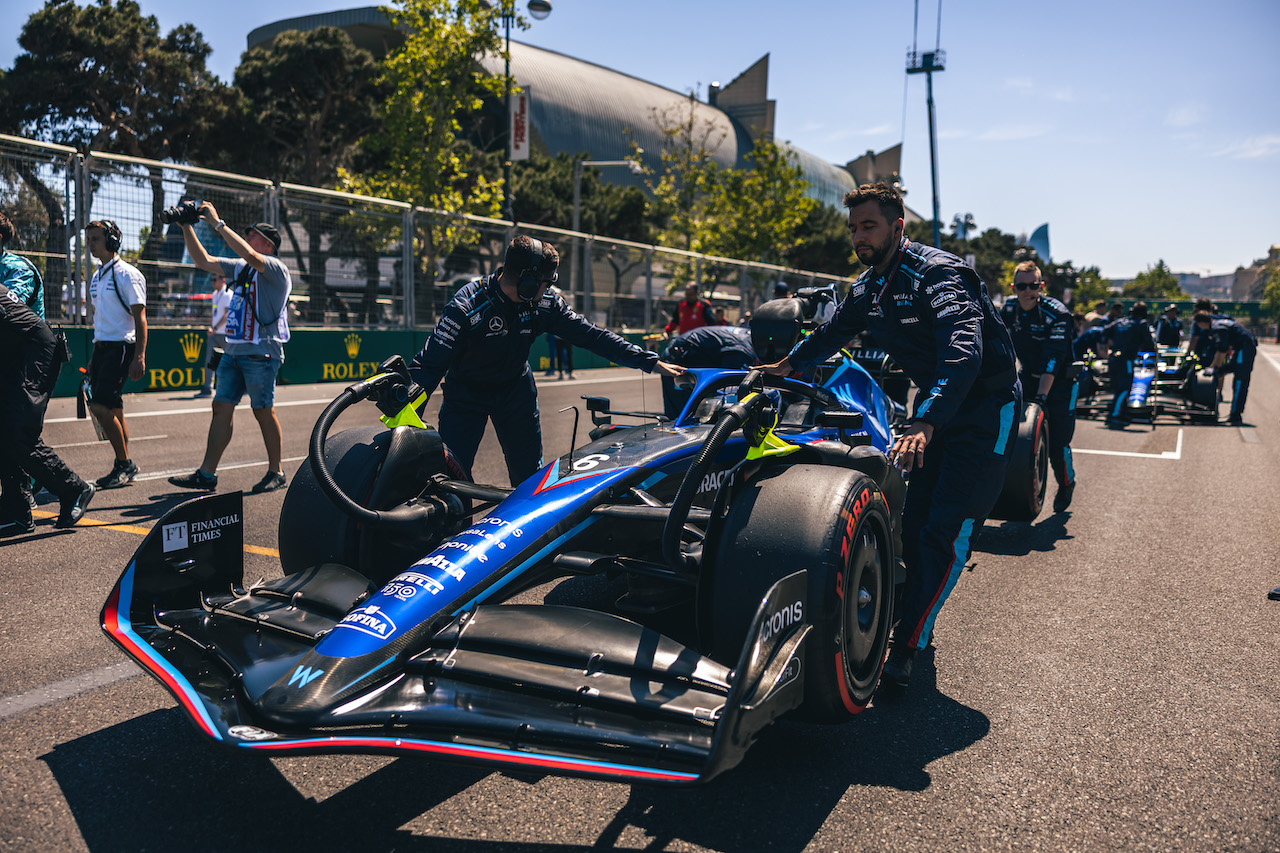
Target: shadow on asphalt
<point>183,792</point>
<point>1018,539</point>
<point>157,506</point>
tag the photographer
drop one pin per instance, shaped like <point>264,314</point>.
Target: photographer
<point>256,332</point>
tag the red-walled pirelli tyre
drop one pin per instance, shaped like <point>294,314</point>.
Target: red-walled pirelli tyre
<point>1028,475</point>
<point>834,523</point>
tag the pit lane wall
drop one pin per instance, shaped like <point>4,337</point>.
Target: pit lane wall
<point>176,356</point>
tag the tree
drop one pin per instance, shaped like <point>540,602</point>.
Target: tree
<point>756,213</point>
<point>302,105</point>
<point>823,245</point>
<point>102,77</point>
<point>544,196</point>
<point>1157,284</point>
<point>433,81</point>
<point>1271,289</point>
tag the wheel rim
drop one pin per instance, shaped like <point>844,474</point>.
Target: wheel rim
<point>864,609</point>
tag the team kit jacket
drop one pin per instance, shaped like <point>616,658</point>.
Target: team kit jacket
<point>483,338</point>
<point>1042,340</point>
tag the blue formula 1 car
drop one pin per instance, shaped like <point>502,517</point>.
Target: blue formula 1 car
<point>766,511</point>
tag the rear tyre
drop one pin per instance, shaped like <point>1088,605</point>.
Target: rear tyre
<point>834,523</point>
<point>1203,392</point>
<point>1027,478</point>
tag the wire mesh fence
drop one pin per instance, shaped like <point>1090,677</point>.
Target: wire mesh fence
<point>355,261</point>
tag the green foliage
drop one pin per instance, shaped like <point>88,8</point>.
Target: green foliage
<point>680,191</point>
<point>102,76</point>
<point>1090,287</point>
<point>303,103</point>
<point>823,245</point>
<point>756,213</point>
<point>1271,289</point>
<point>544,196</point>
<point>1156,284</point>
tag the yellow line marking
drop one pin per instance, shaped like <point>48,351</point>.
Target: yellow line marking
<point>141,531</point>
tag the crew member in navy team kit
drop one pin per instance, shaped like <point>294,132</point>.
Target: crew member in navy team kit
<point>480,348</point>
<point>1169,328</point>
<point>1235,349</point>
<point>1041,328</point>
<point>257,328</point>
<point>119,294</point>
<point>727,347</point>
<point>28,372</point>
<point>933,316</point>
<point>1125,338</point>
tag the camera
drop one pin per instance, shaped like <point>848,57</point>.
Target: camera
<point>184,213</point>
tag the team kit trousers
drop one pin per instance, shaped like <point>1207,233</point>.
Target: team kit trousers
<point>24,396</point>
<point>1120,371</point>
<point>948,500</point>
<point>1060,415</point>
<point>1240,366</point>
<point>513,409</point>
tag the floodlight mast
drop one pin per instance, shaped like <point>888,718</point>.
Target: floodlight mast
<point>926,63</point>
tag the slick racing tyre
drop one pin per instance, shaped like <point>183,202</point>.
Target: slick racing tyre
<point>1028,475</point>
<point>834,523</point>
<point>1202,392</point>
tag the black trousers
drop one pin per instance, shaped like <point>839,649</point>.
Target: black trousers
<point>513,409</point>
<point>25,386</point>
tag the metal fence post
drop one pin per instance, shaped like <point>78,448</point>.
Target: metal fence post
<point>648,289</point>
<point>271,205</point>
<point>407,270</point>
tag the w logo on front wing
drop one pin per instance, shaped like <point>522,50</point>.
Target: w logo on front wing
<point>304,675</point>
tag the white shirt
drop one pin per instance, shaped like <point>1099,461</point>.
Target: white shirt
<point>221,304</point>
<point>112,321</point>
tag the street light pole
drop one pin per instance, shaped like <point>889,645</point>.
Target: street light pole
<point>539,10</point>
<point>578,249</point>
<point>927,63</point>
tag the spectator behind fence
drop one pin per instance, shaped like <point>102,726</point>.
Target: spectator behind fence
<point>691,312</point>
<point>215,339</point>
<point>256,332</point>
<point>119,294</point>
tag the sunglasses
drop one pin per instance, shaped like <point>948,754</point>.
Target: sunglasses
<point>1025,285</point>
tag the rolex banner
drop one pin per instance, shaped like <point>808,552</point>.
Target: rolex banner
<point>519,128</point>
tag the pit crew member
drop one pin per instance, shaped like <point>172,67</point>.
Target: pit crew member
<point>1041,328</point>
<point>480,349</point>
<point>933,316</point>
<point>1169,328</point>
<point>1235,349</point>
<point>1125,338</point>
<point>728,347</point>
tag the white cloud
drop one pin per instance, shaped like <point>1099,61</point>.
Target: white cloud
<point>1022,84</point>
<point>1252,148</point>
<point>1184,115</point>
<point>1066,94</point>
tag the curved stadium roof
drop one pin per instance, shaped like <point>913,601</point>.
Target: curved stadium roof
<point>578,106</point>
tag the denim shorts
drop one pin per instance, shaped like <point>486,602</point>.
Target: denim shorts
<point>255,374</point>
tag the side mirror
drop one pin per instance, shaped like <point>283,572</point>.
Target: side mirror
<point>843,421</point>
<point>595,405</point>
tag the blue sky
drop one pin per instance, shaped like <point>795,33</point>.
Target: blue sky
<point>1140,130</point>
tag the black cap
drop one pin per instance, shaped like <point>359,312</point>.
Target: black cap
<point>266,229</point>
<point>780,288</point>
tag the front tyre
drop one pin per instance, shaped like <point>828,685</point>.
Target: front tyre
<point>834,523</point>
<point>1027,478</point>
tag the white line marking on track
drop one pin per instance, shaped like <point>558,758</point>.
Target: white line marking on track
<point>156,475</point>
<point>203,410</point>
<point>1174,454</point>
<point>132,439</point>
<point>47,694</point>
<point>1271,359</point>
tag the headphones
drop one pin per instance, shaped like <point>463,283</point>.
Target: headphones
<point>111,234</point>
<point>530,277</point>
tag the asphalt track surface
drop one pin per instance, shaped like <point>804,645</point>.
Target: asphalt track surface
<point>1105,678</point>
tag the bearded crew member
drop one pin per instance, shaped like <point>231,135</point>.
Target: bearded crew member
<point>933,316</point>
<point>480,348</point>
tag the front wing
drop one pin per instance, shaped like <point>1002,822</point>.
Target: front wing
<point>554,689</point>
